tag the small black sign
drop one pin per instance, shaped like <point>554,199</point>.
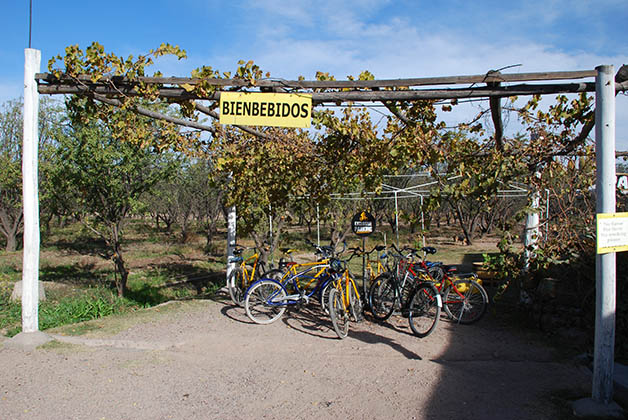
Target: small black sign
<point>363,224</point>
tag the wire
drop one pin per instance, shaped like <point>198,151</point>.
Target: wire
<point>30,22</point>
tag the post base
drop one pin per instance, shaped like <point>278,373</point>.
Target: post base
<point>590,409</point>
<point>27,341</point>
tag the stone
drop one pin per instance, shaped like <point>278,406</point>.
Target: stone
<point>17,292</point>
<point>27,341</point>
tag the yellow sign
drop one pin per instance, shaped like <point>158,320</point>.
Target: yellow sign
<point>266,109</point>
<point>612,232</point>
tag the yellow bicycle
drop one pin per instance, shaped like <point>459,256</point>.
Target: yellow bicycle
<point>241,277</point>
<point>344,299</point>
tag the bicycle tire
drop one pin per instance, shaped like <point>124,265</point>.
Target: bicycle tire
<point>382,297</point>
<point>437,273</point>
<point>424,309</point>
<point>338,313</point>
<point>355,303</point>
<point>274,273</point>
<point>265,301</point>
<point>324,296</point>
<point>469,304</point>
<point>236,287</point>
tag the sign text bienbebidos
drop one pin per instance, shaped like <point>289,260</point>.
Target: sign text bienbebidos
<point>266,109</point>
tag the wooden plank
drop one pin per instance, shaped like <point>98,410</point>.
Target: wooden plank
<point>353,96</point>
<point>345,84</point>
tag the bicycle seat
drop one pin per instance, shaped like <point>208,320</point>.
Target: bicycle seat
<point>286,250</point>
<point>380,248</point>
<point>326,251</point>
<point>429,249</point>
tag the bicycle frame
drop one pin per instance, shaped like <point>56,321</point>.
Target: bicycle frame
<point>253,260</point>
<point>294,278</point>
<point>345,288</point>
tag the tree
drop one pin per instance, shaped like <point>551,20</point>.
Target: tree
<point>108,177</point>
<point>11,120</point>
<point>265,177</point>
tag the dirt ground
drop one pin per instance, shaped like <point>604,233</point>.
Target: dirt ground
<point>205,360</point>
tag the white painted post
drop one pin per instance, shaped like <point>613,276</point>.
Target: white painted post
<point>603,355</point>
<point>397,219</point>
<point>318,227</point>
<point>531,236</point>
<point>422,222</point>
<point>231,239</point>
<point>30,264</point>
<point>547,209</point>
<point>270,233</point>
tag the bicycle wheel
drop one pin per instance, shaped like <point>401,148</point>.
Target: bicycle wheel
<point>236,286</point>
<point>265,302</point>
<point>355,303</point>
<point>382,297</point>
<point>437,273</point>
<point>324,296</point>
<point>338,313</point>
<point>424,310</point>
<point>465,301</point>
<point>274,273</point>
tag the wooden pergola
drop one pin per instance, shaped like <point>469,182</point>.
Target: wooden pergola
<point>492,85</point>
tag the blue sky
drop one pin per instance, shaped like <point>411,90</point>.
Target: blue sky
<point>392,39</point>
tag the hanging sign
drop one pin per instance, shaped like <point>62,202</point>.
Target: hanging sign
<point>363,224</point>
<point>612,232</point>
<point>266,109</point>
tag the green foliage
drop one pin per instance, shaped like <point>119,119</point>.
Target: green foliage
<point>107,178</point>
<point>94,304</point>
<point>10,312</point>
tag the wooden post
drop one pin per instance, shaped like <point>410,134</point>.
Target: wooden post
<point>30,270</point>
<point>603,355</point>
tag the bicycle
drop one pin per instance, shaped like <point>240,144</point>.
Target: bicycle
<point>344,298</point>
<point>244,274</point>
<point>410,288</point>
<point>373,273</point>
<point>464,299</point>
<point>267,299</point>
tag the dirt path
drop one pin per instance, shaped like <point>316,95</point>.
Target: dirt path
<point>205,360</point>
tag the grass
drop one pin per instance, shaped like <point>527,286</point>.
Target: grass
<point>80,284</point>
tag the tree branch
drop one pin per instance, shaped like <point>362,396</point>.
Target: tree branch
<point>207,111</point>
<point>156,115</point>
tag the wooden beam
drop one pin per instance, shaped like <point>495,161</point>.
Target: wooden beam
<point>351,96</point>
<point>338,84</point>
<point>496,115</point>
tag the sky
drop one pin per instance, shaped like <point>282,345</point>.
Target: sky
<point>391,39</point>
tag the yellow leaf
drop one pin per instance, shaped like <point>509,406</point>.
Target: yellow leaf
<point>188,87</point>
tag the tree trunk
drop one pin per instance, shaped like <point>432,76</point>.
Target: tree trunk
<point>11,243</point>
<point>465,231</point>
<point>119,261</point>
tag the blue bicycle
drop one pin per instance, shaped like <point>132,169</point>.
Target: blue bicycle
<point>267,299</point>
